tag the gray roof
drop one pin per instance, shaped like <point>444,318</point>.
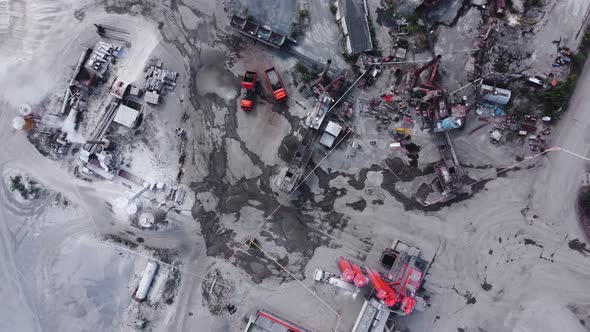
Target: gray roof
<point>356,20</point>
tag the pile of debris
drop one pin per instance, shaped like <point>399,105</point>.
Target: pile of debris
<point>157,79</point>
<point>563,58</point>
<point>102,55</point>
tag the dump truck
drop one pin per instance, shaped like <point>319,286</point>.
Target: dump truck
<point>276,85</point>
<point>248,92</point>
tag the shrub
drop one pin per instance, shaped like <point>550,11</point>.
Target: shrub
<point>333,9</point>
<point>585,200</point>
<point>303,14</point>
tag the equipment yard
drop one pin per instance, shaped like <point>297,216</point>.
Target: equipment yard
<point>310,165</point>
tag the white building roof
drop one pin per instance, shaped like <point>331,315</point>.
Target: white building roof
<point>327,140</point>
<point>126,116</point>
<point>152,97</point>
<point>333,129</point>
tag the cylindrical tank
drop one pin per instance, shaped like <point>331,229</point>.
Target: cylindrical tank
<point>360,280</point>
<point>451,123</point>
<point>347,272</point>
<point>131,208</point>
<point>146,280</point>
<point>146,220</point>
<point>380,291</point>
<point>121,202</point>
<point>21,123</point>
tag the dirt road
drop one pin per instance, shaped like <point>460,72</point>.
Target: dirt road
<point>557,184</point>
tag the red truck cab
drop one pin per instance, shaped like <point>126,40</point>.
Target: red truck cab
<point>276,85</point>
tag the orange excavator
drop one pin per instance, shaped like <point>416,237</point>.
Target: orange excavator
<point>248,92</point>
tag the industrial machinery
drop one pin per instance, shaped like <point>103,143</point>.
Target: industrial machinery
<point>276,85</point>
<point>447,124</point>
<point>397,287</point>
<point>405,275</point>
<point>248,92</point>
<point>430,84</point>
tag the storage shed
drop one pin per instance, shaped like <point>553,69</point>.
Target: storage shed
<point>127,116</point>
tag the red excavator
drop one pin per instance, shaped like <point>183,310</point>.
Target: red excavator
<point>276,85</point>
<point>248,92</point>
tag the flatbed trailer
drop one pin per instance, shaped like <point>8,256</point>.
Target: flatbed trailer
<point>264,321</point>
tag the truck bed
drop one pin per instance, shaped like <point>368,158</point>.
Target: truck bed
<point>273,78</point>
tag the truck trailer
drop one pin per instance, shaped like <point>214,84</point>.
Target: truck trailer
<point>265,321</point>
<point>276,85</point>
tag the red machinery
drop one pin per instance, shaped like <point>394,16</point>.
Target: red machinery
<point>384,291</point>
<point>381,289</point>
<point>415,75</point>
<point>276,85</point>
<point>360,280</point>
<point>399,287</point>
<point>346,268</point>
<point>248,90</point>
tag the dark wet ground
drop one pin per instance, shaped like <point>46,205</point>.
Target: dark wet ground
<point>292,227</point>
